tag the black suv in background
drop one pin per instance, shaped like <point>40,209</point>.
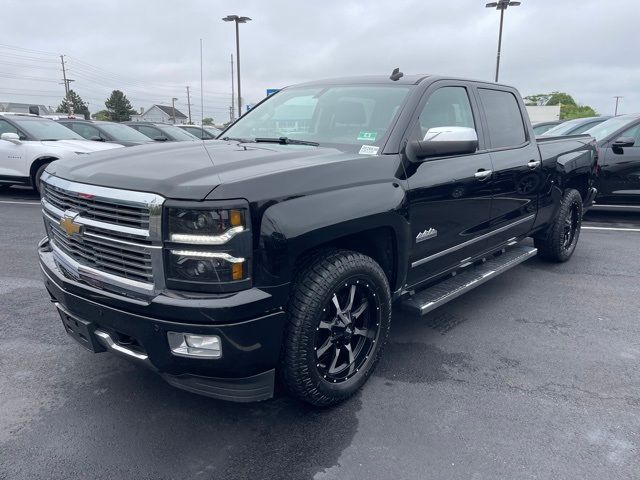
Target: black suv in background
<point>106,132</point>
<point>619,161</point>
<point>162,132</point>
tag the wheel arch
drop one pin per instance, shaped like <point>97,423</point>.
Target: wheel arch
<point>370,219</point>
<point>36,164</point>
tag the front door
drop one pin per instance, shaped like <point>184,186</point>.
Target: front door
<point>449,197</point>
<point>619,181</point>
<point>12,157</point>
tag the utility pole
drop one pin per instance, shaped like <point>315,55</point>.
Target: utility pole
<point>617,97</point>
<point>189,105</point>
<point>66,87</point>
<point>233,100</point>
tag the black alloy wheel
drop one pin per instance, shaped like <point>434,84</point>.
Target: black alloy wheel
<point>348,332</point>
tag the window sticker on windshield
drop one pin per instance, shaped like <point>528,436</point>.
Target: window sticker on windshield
<point>368,150</point>
<point>370,136</point>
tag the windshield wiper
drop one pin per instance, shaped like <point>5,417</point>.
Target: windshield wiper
<point>286,141</point>
<point>241,140</point>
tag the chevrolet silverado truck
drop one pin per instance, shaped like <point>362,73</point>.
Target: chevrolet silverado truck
<point>273,256</point>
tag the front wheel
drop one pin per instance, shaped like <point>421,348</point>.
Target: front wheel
<point>338,322</point>
<point>36,178</point>
<point>561,239</point>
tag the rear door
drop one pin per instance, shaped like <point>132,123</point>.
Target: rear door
<point>620,170</point>
<point>449,205</point>
<point>517,178</point>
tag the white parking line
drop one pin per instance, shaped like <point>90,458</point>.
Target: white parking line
<point>613,229</point>
<point>20,203</point>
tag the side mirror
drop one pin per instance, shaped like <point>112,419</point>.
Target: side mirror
<point>161,139</point>
<point>95,138</point>
<point>624,142</point>
<point>441,141</point>
<point>11,137</point>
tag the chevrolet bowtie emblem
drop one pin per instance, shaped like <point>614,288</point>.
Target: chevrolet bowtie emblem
<point>70,228</point>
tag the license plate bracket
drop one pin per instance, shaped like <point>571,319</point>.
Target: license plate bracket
<point>81,331</point>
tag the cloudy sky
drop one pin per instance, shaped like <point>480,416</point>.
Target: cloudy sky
<point>150,48</point>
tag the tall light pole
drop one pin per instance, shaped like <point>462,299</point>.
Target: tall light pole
<point>173,108</point>
<point>617,97</point>
<point>501,5</point>
<point>238,20</point>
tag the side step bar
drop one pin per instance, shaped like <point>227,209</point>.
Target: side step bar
<point>446,290</point>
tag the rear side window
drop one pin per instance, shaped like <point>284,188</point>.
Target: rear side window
<point>150,132</point>
<point>504,119</point>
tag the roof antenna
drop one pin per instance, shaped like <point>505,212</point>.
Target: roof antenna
<point>396,74</point>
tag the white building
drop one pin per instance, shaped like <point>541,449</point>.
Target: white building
<point>544,113</point>
<point>160,114</point>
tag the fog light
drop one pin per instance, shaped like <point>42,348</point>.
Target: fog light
<point>192,345</point>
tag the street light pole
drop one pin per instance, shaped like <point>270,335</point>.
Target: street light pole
<point>502,6</point>
<point>237,19</point>
<point>617,97</point>
<point>173,108</point>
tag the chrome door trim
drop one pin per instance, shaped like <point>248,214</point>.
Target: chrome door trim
<point>484,236</point>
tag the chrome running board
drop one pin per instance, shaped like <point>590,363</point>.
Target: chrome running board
<point>433,297</point>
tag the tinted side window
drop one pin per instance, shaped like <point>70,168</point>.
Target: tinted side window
<point>446,107</point>
<point>85,131</point>
<point>6,127</point>
<point>504,119</point>
<point>150,132</point>
<point>633,132</point>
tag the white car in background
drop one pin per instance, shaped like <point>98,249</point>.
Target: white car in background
<point>28,143</point>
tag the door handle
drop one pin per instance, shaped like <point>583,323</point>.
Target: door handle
<point>533,164</point>
<point>482,175</point>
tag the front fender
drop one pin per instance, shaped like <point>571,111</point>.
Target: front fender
<point>294,226</point>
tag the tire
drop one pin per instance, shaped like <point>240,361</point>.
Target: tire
<point>561,239</point>
<point>310,368</point>
<point>36,177</point>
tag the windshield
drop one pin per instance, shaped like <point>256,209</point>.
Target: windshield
<point>45,129</point>
<point>123,132</point>
<point>335,115</point>
<point>177,133</point>
<point>604,129</point>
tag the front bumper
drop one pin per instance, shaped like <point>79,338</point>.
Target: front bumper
<point>137,331</point>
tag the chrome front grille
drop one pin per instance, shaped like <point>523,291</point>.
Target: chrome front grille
<point>104,211</point>
<point>105,237</point>
<point>126,261</point>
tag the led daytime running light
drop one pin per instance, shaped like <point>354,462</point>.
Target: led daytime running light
<point>197,254</point>
<point>207,239</point>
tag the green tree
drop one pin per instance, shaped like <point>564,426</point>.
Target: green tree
<point>102,115</point>
<point>207,121</point>
<point>569,109</point>
<point>76,103</point>
<point>119,107</point>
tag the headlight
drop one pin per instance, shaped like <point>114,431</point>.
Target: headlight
<point>204,227</point>
<point>202,266</point>
<point>208,246</point>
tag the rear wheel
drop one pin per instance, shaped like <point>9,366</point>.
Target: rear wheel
<point>562,237</point>
<point>339,318</point>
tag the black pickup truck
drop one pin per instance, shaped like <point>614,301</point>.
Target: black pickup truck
<point>276,253</point>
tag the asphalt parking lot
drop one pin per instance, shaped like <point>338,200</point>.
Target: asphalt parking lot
<point>533,375</point>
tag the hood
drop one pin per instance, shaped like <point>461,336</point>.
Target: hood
<point>84,146</point>
<point>191,170</point>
